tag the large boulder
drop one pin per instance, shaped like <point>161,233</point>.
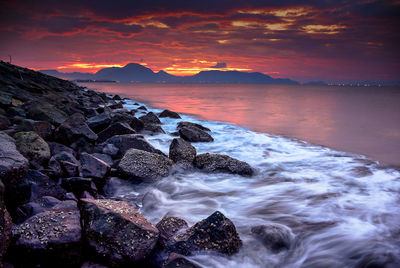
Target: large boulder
<point>43,129</point>
<point>33,147</point>
<point>65,164</point>
<point>51,238</point>
<point>178,261</point>
<point>4,122</point>
<point>41,185</point>
<point>144,165</point>
<point>116,231</point>
<point>152,129</point>
<point>191,125</point>
<point>93,167</point>
<point>79,186</point>
<point>115,129</point>
<point>182,151</point>
<point>5,225</point>
<point>194,134</point>
<point>150,118</point>
<point>222,163</point>
<point>99,122</point>
<point>131,141</point>
<point>276,237</point>
<point>168,227</point>
<point>73,128</point>
<point>30,209</point>
<point>215,233</point>
<point>168,113</point>
<point>56,148</point>
<point>46,112</point>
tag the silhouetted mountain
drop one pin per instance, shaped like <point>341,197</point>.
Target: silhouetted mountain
<point>315,83</point>
<point>134,72</point>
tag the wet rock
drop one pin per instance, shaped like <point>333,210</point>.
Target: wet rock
<point>215,233</point>
<point>51,238</point>
<point>182,151</point>
<point>46,112</point>
<point>131,141</point>
<point>115,129</point>
<point>144,165</point>
<point>43,129</point>
<point>361,171</point>
<point>30,209</point>
<point>16,111</point>
<point>136,124</point>
<point>142,108</point>
<point>104,157</point>
<point>115,105</point>
<point>192,125</point>
<point>150,118</point>
<point>73,128</point>
<point>168,227</point>
<point>194,134</point>
<point>33,147</point>
<point>222,163</point>
<point>176,260</point>
<point>110,150</point>
<point>5,100</point>
<point>273,236</point>
<point>168,113</point>
<point>99,122</point>
<point>4,122</point>
<point>5,225</point>
<point>78,185</point>
<point>153,129</point>
<point>65,164</point>
<point>42,185</point>
<point>93,167</point>
<point>56,148</point>
<point>116,231</point>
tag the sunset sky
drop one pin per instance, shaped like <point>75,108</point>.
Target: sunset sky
<point>303,40</point>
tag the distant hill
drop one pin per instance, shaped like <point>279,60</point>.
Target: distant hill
<point>134,72</point>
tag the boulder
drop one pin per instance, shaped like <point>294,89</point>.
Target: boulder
<point>192,125</point>
<point>50,239</point>
<point>132,141</point>
<point>111,150</point>
<point>5,99</point>
<point>43,129</point>
<point>99,122</point>
<point>33,147</point>
<point>73,128</point>
<point>30,209</point>
<point>79,185</point>
<point>4,122</point>
<point>16,111</point>
<point>222,163</point>
<point>276,237</point>
<point>116,231</point>
<point>41,185</point>
<point>65,164</point>
<point>93,167</point>
<point>5,225</point>
<point>194,134</point>
<point>90,264</point>
<point>176,260</point>
<point>182,151</point>
<point>115,129</point>
<point>136,124</point>
<point>150,118</point>
<point>168,227</point>
<point>153,129</point>
<point>56,148</point>
<point>144,165</point>
<point>46,112</point>
<point>142,108</point>
<point>104,157</point>
<point>168,113</point>
<point>215,233</point>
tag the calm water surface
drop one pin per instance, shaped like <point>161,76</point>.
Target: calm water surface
<point>363,120</point>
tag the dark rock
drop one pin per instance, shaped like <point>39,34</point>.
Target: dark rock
<point>90,264</point>
<point>222,163</point>
<point>26,125</point>
<point>150,118</point>
<point>115,105</point>
<point>50,239</point>
<point>78,185</point>
<point>153,128</point>
<point>43,129</point>
<point>110,150</point>
<point>4,122</point>
<point>168,113</point>
<point>131,141</point>
<point>5,99</point>
<point>136,124</point>
<point>144,165</point>
<point>194,135</point>
<point>83,145</point>
<point>115,129</point>
<point>33,147</point>
<point>216,233</point>
<point>116,231</point>
<point>56,148</point>
<point>5,225</point>
<point>115,185</point>
<point>74,128</point>
<point>176,260</point>
<point>30,209</point>
<point>64,164</point>
<point>104,157</point>
<point>116,97</point>
<point>273,236</point>
<point>46,112</point>
<point>70,169</point>
<point>42,185</point>
<point>99,122</point>
<point>168,227</point>
<point>142,108</point>
<point>93,167</point>
<point>182,151</point>
<point>16,111</point>
<point>192,125</point>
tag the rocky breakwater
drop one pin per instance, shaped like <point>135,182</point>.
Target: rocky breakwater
<point>62,148</point>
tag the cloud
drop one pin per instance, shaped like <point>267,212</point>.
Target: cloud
<point>219,65</point>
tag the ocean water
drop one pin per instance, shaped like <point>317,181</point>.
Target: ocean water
<point>343,209</point>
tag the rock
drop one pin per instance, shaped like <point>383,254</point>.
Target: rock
<point>182,151</point>
<point>192,125</point>
<point>65,164</point>
<point>4,122</point>
<point>144,165</point>
<point>30,209</point>
<point>16,111</point>
<point>42,185</point>
<point>168,227</point>
<point>273,236</point>
<point>115,129</point>
<point>115,105</point>
<point>222,163</point>
<point>195,135</point>
<point>5,99</point>
<point>49,238</point>
<point>176,260</point>
<point>90,264</point>
<point>116,97</point>
<point>33,147</point>
<point>78,185</point>
<point>73,128</point>
<point>142,108</point>
<point>115,185</point>
<point>5,225</point>
<point>56,148</point>
<point>150,118</point>
<point>99,122</point>
<point>93,167</point>
<point>43,129</point>
<point>110,150</point>
<point>136,124</point>
<point>153,128</point>
<point>46,112</point>
<point>104,157</point>
<point>117,231</point>
<point>168,113</point>
<point>132,141</point>
<point>216,233</point>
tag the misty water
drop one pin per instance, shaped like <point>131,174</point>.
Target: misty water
<point>342,208</point>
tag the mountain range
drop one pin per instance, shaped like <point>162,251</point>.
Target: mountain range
<point>134,72</point>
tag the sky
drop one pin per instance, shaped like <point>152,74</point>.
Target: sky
<point>332,41</point>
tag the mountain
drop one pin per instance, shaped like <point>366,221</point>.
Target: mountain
<point>134,72</point>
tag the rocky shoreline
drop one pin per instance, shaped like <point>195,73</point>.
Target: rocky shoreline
<point>62,147</point>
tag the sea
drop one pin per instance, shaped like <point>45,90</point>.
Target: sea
<point>327,168</point>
